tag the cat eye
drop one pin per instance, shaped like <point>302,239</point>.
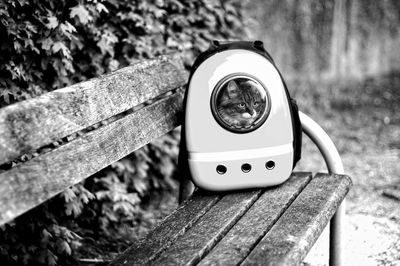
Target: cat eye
<point>241,105</point>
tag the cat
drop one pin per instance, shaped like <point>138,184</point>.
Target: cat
<point>240,103</point>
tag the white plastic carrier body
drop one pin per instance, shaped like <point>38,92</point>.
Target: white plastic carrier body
<point>209,145</point>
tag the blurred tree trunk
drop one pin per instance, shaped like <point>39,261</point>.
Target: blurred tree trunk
<point>331,39</point>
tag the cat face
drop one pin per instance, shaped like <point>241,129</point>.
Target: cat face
<point>240,103</point>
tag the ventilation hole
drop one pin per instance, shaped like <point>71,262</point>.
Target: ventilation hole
<point>270,165</point>
<point>221,169</point>
<point>246,167</point>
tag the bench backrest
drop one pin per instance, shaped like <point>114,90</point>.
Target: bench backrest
<point>69,134</point>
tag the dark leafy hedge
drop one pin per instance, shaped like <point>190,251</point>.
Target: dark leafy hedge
<point>47,45</point>
<point>50,44</point>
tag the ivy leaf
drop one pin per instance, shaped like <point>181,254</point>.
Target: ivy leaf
<point>47,257</point>
<point>69,195</point>
<point>158,12</point>
<point>67,29</point>
<point>86,196</point>
<point>68,65</point>
<point>46,235</point>
<point>176,5</point>
<point>47,43</point>
<point>51,259</point>
<point>101,8</point>
<point>59,46</point>
<point>132,198</point>
<point>73,208</point>
<point>113,65</point>
<point>63,247</point>
<point>124,207</point>
<point>106,43</point>
<point>17,47</point>
<point>53,22</point>
<point>102,195</point>
<point>81,12</point>
<point>6,96</point>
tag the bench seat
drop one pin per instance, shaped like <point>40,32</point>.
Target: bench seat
<point>273,226</point>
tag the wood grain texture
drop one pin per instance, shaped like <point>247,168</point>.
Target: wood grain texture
<point>292,236</point>
<point>36,122</point>
<point>257,221</point>
<point>174,225</point>
<point>189,248</point>
<point>30,183</point>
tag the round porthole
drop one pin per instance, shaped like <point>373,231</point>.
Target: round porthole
<point>240,103</point>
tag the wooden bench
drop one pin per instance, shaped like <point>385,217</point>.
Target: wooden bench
<point>100,121</point>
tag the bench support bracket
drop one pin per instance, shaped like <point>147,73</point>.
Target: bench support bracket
<point>335,166</point>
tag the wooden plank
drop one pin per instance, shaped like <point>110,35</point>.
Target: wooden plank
<point>189,248</point>
<point>174,225</point>
<point>30,183</point>
<point>34,123</point>
<point>248,231</point>
<point>293,235</point>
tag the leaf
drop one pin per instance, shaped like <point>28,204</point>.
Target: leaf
<point>69,195</point>
<point>51,259</point>
<point>17,47</point>
<point>59,46</point>
<point>113,65</point>
<point>106,43</point>
<point>67,29</point>
<point>68,65</point>
<point>53,22</point>
<point>124,207</point>
<point>6,96</point>
<point>46,257</point>
<point>46,235</point>
<point>81,12</point>
<point>73,208</point>
<point>133,198</point>
<point>63,247</point>
<point>158,12</point>
<point>101,8</point>
<point>86,196</point>
<point>102,195</point>
<point>47,43</point>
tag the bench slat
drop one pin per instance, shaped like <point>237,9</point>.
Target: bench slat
<point>189,248</point>
<point>37,122</point>
<point>290,239</point>
<point>174,225</point>
<point>241,239</point>
<point>30,183</point>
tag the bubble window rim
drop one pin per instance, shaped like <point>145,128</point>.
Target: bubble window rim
<point>213,103</point>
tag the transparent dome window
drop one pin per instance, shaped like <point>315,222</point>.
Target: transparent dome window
<point>240,103</point>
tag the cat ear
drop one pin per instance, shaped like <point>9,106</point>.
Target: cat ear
<point>232,89</point>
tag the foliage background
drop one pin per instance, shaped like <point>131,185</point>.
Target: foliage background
<point>46,45</point>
